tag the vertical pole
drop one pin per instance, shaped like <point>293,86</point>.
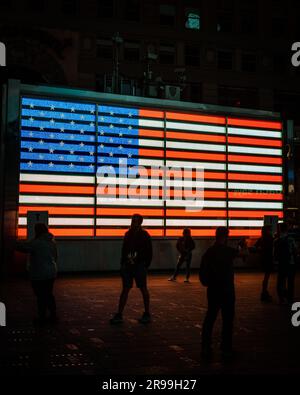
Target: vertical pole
<point>226,172</point>
<point>165,173</point>
<point>95,169</point>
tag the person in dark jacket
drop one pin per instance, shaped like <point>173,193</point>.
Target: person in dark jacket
<point>216,273</point>
<point>264,246</point>
<point>135,259</point>
<point>185,245</point>
<point>42,270</point>
<point>285,253</point>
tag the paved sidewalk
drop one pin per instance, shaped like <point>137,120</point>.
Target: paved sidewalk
<point>84,342</point>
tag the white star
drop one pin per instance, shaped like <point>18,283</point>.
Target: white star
<point>52,107</point>
<point>62,129</point>
<point>72,109</point>
<point>30,134</point>
<point>62,115</point>
<point>130,127</point>
<point>102,160</point>
<point>81,131</point>
<point>129,114</point>
<point>71,152</point>
<point>102,119</point>
<point>111,113</point>
<point>120,147</point>
<point>92,124</point>
<point>51,150</point>
<point>111,126</point>
<point>129,141</point>
<point>111,140</point>
<point>31,119</point>
<point>81,159</point>
<point>111,154</point>
<point>61,143</point>
<point>92,111</point>
<point>120,134</point>
<point>61,157</point>
<point>30,149</point>
<point>29,163</point>
<point>102,133</point>
<point>71,165</point>
<point>52,121</point>
<point>72,123</point>
<point>91,153</point>
<point>101,145</point>
<point>129,155</point>
<point>41,128</point>
<point>41,142</point>
<point>91,166</point>
<point>51,164</point>
<point>81,144</point>
<point>81,116</point>
<point>31,105</point>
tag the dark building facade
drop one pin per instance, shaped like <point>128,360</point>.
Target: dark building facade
<point>226,52</point>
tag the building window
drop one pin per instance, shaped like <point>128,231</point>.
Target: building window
<point>238,97</point>
<point>196,92</point>
<point>69,7</point>
<point>104,49</point>
<point>167,54</point>
<point>105,8</point>
<point>249,4</point>
<point>280,63</point>
<point>86,44</point>
<point>192,55</point>
<point>100,82</point>
<point>131,51</point>
<point>192,19</point>
<point>167,15</point>
<point>248,62</point>
<point>36,5</point>
<point>225,4</point>
<point>279,26</point>
<point>287,103</point>
<point>131,10</point>
<point>225,60</point>
<point>248,23</point>
<point>224,22</point>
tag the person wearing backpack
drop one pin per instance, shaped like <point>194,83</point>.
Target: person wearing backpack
<point>264,246</point>
<point>136,257</point>
<point>216,273</point>
<point>285,253</point>
<point>42,271</point>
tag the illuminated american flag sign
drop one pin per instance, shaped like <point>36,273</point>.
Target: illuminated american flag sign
<point>65,147</point>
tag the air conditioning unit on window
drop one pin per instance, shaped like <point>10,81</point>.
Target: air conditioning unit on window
<point>152,91</point>
<point>172,92</point>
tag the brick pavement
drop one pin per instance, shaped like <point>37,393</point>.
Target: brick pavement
<point>84,343</point>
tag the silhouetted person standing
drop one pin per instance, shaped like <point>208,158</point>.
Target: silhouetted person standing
<point>216,273</point>
<point>42,270</point>
<point>135,259</point>
<point>185,245</point>
<point>285,254</point>
<point>264,246</point>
